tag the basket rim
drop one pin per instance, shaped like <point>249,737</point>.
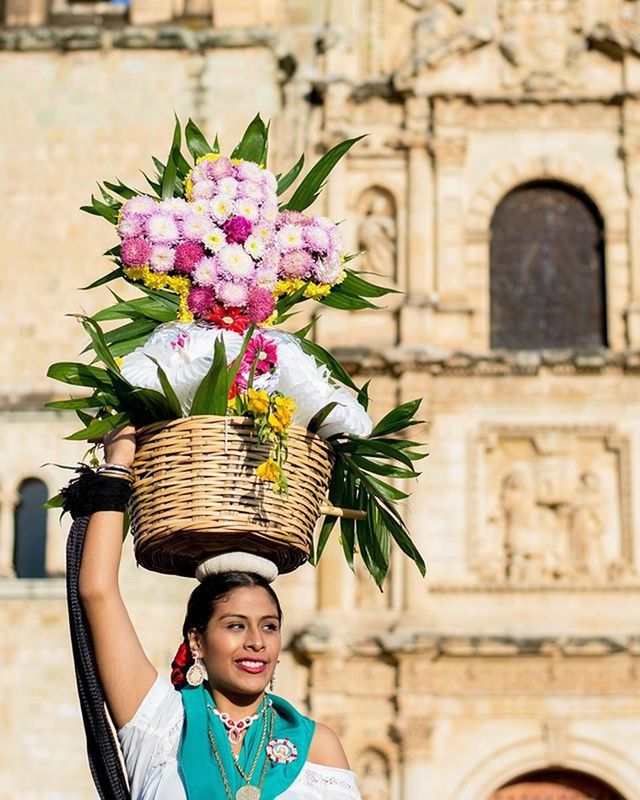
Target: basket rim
<point>238,419</point>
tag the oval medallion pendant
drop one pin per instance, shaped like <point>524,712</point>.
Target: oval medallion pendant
<point>248,793</point>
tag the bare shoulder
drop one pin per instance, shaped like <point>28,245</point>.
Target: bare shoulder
<point>326,749</point>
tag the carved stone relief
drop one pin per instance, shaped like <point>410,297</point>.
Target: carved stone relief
<point>374,778</point>
<point>541,41</point>
<point>377,232</point>
<point>556,507</point>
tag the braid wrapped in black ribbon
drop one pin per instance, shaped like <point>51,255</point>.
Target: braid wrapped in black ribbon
<point>85,494</point>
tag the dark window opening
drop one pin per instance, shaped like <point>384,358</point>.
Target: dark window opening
<point>30,525</point>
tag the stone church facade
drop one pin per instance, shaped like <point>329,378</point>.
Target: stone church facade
<point>498,189</point>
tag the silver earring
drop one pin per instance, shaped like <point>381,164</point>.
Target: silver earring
<point>197,672</point>
<point>272,682</point>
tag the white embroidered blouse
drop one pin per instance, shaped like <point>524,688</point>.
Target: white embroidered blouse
<point>150,746</point>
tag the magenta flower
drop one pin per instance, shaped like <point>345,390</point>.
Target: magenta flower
<point>260,305</point>
<point>135,252</point>
<point>296,264</point>
<point>188,254</point>
<point>261,351</point>
<point>237,229</point>
<point>201,300</point>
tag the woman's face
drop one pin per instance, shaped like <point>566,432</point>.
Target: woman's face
<point>241,644</point>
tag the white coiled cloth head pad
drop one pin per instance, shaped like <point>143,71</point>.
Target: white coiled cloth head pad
<point>237,562</point>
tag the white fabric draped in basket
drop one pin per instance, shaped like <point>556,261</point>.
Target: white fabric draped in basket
<point>150,745</point>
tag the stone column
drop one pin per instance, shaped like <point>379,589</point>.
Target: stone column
<point>25,13</point>
<point>149,12</point>
<point>414,735</point>
<point>631,149</point>
<point>9,499</point>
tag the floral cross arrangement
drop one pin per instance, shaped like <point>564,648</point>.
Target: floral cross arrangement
<point>221,264</point>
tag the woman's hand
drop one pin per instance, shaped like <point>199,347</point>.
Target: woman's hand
<point>120,446</point>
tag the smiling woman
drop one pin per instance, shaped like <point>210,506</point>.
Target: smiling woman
<point>216,732</point>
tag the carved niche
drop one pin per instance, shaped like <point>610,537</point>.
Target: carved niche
<point>378,232</point>
<point>541,41</point>
<point>551,505</point>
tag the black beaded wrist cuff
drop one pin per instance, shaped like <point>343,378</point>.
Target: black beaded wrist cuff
<point>91,492</point>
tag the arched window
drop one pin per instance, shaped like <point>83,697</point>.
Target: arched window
<point>556,784</point>
<point>547,270</point>
<point>30,525</point>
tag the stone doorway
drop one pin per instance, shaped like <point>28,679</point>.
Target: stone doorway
<point>556,785</point>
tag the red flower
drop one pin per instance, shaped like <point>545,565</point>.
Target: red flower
<point>233,391</point>
<point>179,666</point>
<point>231,319</point>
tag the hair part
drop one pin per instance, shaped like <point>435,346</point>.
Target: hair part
<point>205,598</point>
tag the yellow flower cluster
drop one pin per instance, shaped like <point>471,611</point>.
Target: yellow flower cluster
<point>311,292</point>
<point>257,401</point>
<point>269,471</point>
<point>154,280</point>
<point>282,415</point>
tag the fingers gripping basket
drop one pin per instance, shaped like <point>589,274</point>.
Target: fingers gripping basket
<point>196,494</point>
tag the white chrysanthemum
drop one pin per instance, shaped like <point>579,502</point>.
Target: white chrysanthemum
<point>232,295</point>
<point>131,225</point>
<point>271,260</point>
<point>270,180</point>
<point>199,172</point>
<point>162,257</point>
<point>269,214</point>
<point>263,232</point>
<point>247,208</point>
<point>174,205</point>
<point>290,237</point>
<point>252,190</point>
<point>221,207</point>
<point>214,240</point>
<point>249,171</point>
<point>254,246</point>
<point>184,351</point>
<point>206,272</point>
<point>140,204</point>
<point>227,187</point>
<point>266,278</point>
<point>328,270</point>
<point>195,226</point>
<point>234,259</point>
<point>336,238</point>
<point>162,228</point>
<point>200,207</point>
<point>324,222</point>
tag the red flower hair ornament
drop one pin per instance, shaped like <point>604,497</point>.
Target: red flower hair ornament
<point>179,666</point>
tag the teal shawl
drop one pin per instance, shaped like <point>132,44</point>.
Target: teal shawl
<point>198,769</point>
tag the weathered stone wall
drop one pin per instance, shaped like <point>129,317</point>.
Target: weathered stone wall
<point>507,658</point>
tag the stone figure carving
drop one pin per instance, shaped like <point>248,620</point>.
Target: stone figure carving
<point>377,232</point>
<point>528,528</point>
<point>373,774</point>
<point>558,509</point>
<point>587,528</point>
<point>541,40</point>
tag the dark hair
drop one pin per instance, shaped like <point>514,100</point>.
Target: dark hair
<point>206,596</point>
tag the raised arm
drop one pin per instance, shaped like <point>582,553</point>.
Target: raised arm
<point>125,671</point>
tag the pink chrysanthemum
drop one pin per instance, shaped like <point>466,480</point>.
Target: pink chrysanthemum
<point>296,264</point>
<point>293,218</point>
<point>140,204</point>
<point>316,238</point>
<point>130,226</point>
<point>175,206</point>
<point>232,294</point>
<point>206,271</point>
<point>328,270</point>
<point>188,254</point>
<point>228,187</point>
<point>249,171</point>
<point>260,305</point>
<point>203,190</point>
<point>135,252</point>
<point>221,168</point>
<point>266,278</point>
<point>252,190</point>
<point>162,257</point>
<point>201,300</point>
<point>237,229</point>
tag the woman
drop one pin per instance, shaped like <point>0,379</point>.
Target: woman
<point>221,736</point>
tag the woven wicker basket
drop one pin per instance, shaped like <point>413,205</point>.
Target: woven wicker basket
<point>196,494</point>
